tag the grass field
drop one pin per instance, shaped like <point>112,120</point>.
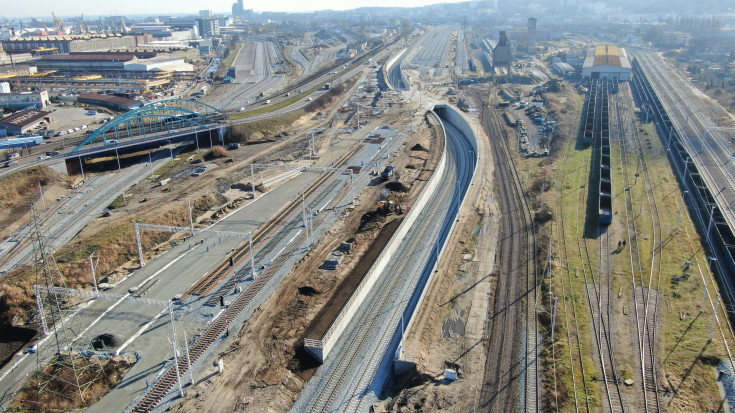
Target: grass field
<point>685,355</point>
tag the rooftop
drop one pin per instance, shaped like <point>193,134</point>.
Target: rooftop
<point>111,57</point>
<point>607,55</point>
<point>115,100</point>
<point>24,118</point>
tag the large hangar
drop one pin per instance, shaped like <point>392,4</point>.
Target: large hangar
<point>607,62</point>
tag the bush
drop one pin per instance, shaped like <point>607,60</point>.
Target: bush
<point>217,152</point>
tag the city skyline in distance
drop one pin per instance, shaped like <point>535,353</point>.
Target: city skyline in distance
<point>42,9</point>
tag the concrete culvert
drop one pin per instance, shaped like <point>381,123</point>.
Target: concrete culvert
<point>103,341</point>
<point>308,291</point>
<point>396,187</point>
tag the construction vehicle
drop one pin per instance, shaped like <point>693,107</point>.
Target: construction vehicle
<point>387,172</point>
<point>392,205</point>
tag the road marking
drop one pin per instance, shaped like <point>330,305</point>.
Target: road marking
<point>139,332</point>
<point>98,318</point>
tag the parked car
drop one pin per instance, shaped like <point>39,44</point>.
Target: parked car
<point>52,153</point>
<point>308,99</point>
<point>10,163</point>
<point>43,157</point>
<point>14,155</point>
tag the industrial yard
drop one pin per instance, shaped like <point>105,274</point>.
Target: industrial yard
<point>376,211</point>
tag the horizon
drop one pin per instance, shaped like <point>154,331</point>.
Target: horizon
<point>141,8</point>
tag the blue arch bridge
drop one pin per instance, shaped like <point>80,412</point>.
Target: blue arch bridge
<point>161,122</point>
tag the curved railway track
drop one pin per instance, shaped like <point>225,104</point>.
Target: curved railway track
<point>511,378</point>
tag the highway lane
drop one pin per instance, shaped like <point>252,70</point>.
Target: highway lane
<point>254,64</point>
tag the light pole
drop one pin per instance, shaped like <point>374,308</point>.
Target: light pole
<point>43,201</point>
<point>553,316</point>
<point>706,282</point>
<point>171,151</point>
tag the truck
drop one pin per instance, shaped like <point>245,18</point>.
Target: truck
<point>387,172</point>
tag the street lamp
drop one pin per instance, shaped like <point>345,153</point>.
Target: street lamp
<point>706,282</point>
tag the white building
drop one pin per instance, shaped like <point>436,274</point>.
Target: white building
<point>158,64</point>
<point>4,87</point>
<point>607,62</point>
<point>24,100</point>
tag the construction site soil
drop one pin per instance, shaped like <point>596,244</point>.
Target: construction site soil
<point>344,291</point>
<point>266,366</point>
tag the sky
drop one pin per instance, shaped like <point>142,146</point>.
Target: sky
<point>43,8</point>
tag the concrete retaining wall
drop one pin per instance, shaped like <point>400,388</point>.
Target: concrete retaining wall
<point>320,348</point>
<point>454,117</point>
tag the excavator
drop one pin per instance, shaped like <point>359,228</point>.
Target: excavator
<point>392,205</point>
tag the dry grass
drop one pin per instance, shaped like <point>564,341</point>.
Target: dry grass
<point>114,246</point>
<point>57,381</point>
<point>262,130</point>
<point>217,152</point>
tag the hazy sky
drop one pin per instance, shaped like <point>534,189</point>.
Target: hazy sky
<point>43,8</point>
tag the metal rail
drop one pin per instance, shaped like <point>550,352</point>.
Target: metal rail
<point>510,316</point>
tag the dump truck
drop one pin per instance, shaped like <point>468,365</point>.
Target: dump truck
<point>387,172</point>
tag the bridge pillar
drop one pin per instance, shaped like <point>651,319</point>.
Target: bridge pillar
<point>221,134</point>
<point>74,166</point>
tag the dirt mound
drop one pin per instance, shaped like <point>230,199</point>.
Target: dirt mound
<point>308,291</point>
<point>216,152</point>
<point>419,147</point>
<point>371,220</point>
<point>396,186</point>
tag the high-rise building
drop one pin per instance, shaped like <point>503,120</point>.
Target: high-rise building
<point>208,27</point>
<point>238,10</point>
<point>205,14</point>
<point>532,35</point>
<point>502,56</point>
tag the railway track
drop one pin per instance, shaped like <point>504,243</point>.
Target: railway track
<point>220,326</point>
<point>567,296</point>
<point>347,379</point>
<point>263,234</point>
<point>598,295</point>
<point>645,296</point>
<point>501,389</point>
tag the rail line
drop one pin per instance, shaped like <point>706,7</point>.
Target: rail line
<point>646,322</point>
<point>517,256</point>
<point>221,325</point>
<point>598,297</point>
<point>262,234</point>
<point>561,245</point>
